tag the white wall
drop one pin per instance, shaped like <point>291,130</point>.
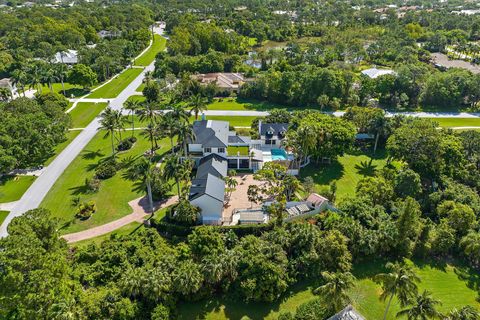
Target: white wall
<point>211,208</point>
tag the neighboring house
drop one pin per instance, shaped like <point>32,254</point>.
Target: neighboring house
<point>374,73</point>
<point>109,34</point>
<point>272,133</point>
<point>8,84</point>
<point>349,313</point>
<point>66,57</point>
<point>225,81</point>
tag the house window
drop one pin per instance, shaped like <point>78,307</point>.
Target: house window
<point>208,150</point>
<point>270,141</point>
<point>221,150</point>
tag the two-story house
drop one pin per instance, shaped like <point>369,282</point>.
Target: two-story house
<point>272,134</point>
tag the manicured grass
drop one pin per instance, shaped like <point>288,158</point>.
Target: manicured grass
<point>85,112</point>
<point>12,188</point>
<point>114,194</point>
<point>345,171</point>
<point>243,104</point>
<point>136,98</point>
<point>235,121</point>
<point>233,151</point>
<point>70,89</point>
<point>125,230</point>
<point>457,122</point>
<point>148,57</point>
<point>446,282</point>
<point>114,87</point>
<point>140,87</point>
<point>59,148</point>
<point>3,216</point>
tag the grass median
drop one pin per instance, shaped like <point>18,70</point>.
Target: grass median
<point>12,188</point>
<point>85,112</point>
<point>117,85</point>
<point>148,57</point>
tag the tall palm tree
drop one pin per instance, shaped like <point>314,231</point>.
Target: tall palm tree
<point>132,106</point>
<point>401,281</point>
<point>423,308</point>
<point>185,135</point>
<point>61,71</point>
<point>335,289</point>
<point>20,79</point>
<point>119,122</point>
<point>231,183</point>
<point>142,172</point>
<point>198,104</point>
<point>178,113</point>
<point>149,112</point>
<point>48,77</point>
<point>169,125</point>
<point>465,313</point>
<point>151,131</point>
<point>108,123</point>
<point>171,170</point>
<point>34,77</point>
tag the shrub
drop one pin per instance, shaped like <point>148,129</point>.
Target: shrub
<point>92,185</point>
<point>160,187</point>
<point>85,210</point>
<point>125,144</point>
<point>106,170</point>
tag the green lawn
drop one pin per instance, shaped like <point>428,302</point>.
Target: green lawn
<point>345,171</point>
<point>84,113</point>
<point>59,148</point>
<point>114,194</point>
<point>70,89</point>
<point>243,104</point>
<point>3,216</point>
<point>114,87</point>
<point>136,98</point>
<point>140,87</point>
<point>233,151</point>
<point>12,188</point>
<point>447,283</point>
<point>148,57</point>
<point>457,122</point>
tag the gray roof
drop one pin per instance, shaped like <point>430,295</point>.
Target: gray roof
<point>375,73</point>
<point>212,164</point>
<point>275,128</point>
<point>238,140</point>
<point>349,313</point>
<point>211,133</point>
<point>208,185</point>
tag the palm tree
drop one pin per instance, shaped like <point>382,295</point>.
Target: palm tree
<point>142,172</point>
<point>151,131</point>
<point>380,127</point>
<point>20,79</point>
<point>132,106</point>
<point>198,104</point>
<point>61,71</point>
<point>185,135</point>
<point>171,169</point>
<point>48,77</point>
<point>169,126</point>
<point>148,112</point>
<point>178,113</point>
<point>34,77</point>
<point>465,313</point>
<point>423,308</point>
<point>64,310</point>
<point>401,281</point>
<point>119,122</point>
<point>335,289</point>
<point>108,122</point>
<point>231,183</point>
<point>291,185</point>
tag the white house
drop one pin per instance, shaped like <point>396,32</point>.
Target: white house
<point>374,73</point>
<point>66,57</point>
<point>8,84</point>
<point>272,134</point>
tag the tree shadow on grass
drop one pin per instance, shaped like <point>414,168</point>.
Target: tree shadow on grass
<point>79,190</point>
<point>76,92</point>
<point>90,155</point>
<point>235,308</point>
<point>366,168</point>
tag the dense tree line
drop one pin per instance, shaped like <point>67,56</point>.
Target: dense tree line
<point>30,129</point>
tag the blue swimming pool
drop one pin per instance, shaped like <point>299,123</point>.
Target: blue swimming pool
<point>279,154</point>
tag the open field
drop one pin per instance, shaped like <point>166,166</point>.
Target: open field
<point>454,285</point>
<point>12,188</point>
<point>148,57</point>
<point>243,104</point>
<point>70,89</point>
<point>347,171</point>
<point>114,194</point>
<point>235,121</point>
<point>114,87</point>
<point>85,112</point>
<point>3,215</point>
<point>457,122</point>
